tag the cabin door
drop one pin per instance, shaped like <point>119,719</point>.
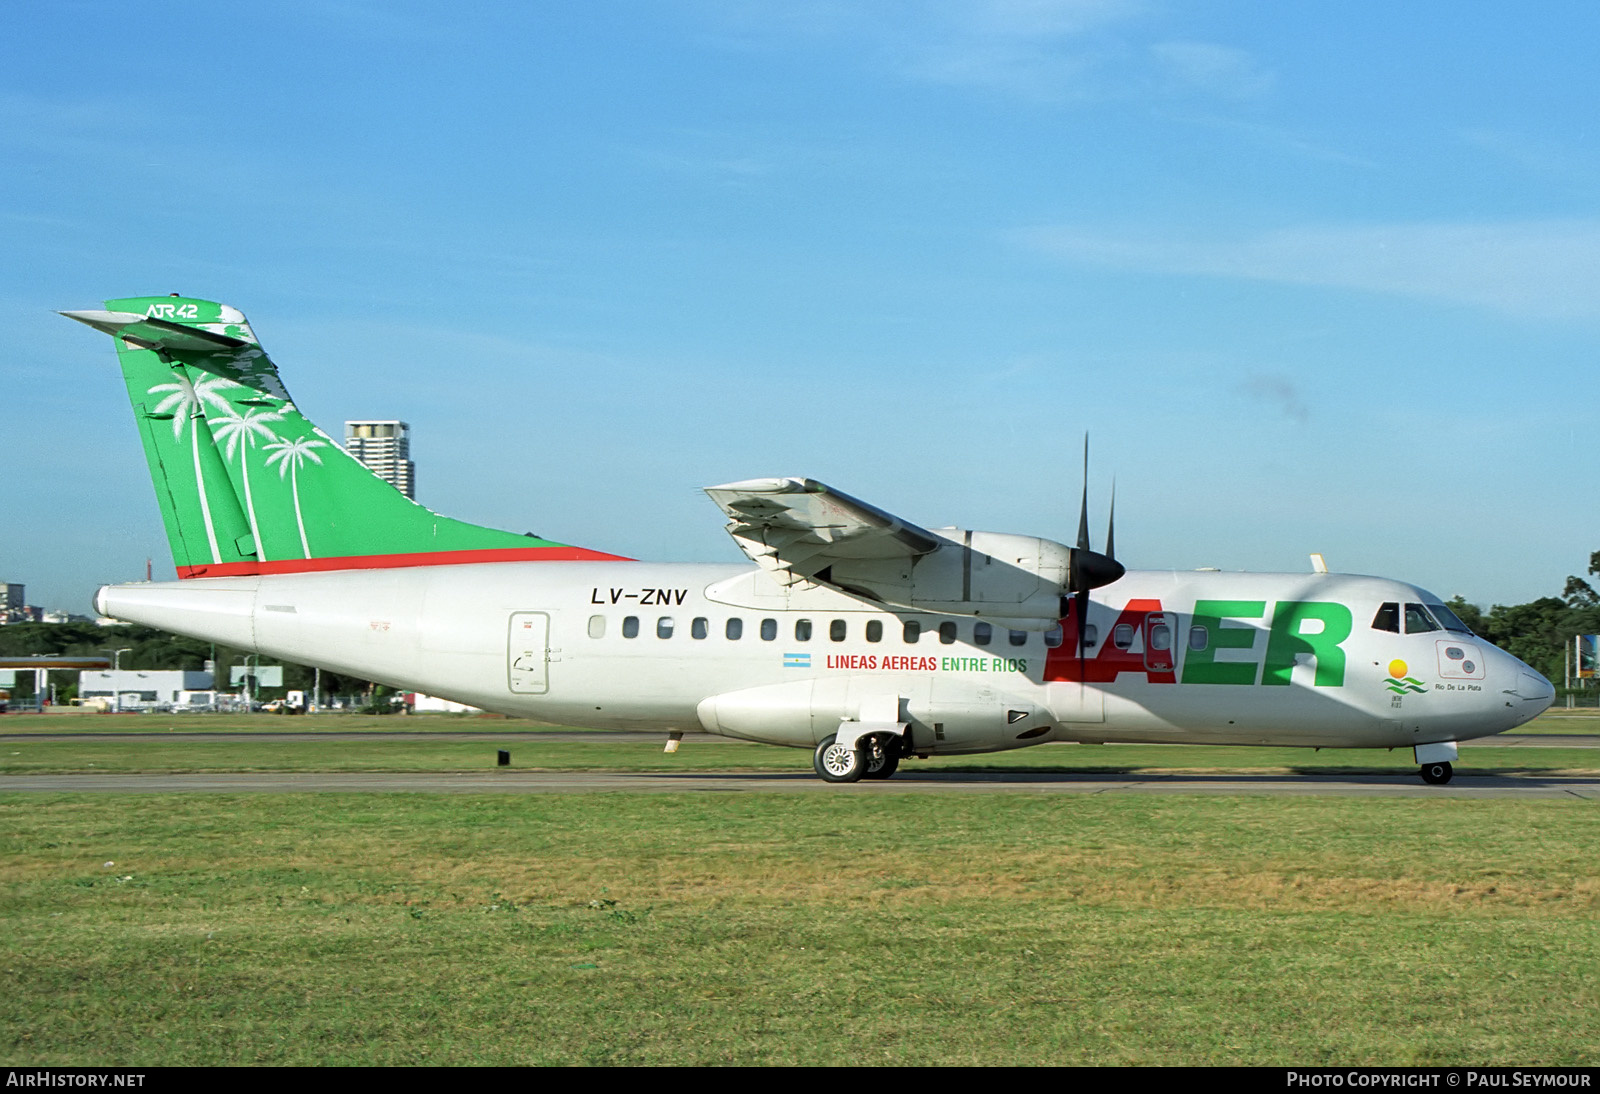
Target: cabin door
<point>528,653</point>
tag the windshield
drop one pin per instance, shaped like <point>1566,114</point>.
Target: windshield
<point>1418,621</point>
<point>1452,622</point>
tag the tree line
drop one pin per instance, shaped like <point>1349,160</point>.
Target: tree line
<point>146,649</point>
<point>1541,631</point>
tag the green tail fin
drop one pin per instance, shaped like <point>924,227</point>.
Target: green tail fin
<point>245,482</point>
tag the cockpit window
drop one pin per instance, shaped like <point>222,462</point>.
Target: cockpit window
<point>1418,621</point>
<point>1452,621</point>
<point>1388,618</point>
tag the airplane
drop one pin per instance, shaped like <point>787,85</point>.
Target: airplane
<point>856,634</point>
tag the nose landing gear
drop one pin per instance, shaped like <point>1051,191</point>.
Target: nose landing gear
<point>1437,774</point>
<point>1435,760</point>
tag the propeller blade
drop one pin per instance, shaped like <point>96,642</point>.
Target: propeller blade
<point>1111,524</point>
<point>1083,511</point>
<point>1089,569</point>
<point>1081,606</point>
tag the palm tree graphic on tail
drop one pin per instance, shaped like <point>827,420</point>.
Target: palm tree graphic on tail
<point>289,455</point>
<point>186,401</point>
<point>240,432</point>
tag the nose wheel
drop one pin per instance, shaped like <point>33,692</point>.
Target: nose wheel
<point>1436,774</point>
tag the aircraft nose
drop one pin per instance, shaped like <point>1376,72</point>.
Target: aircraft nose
<point>1533,688</point>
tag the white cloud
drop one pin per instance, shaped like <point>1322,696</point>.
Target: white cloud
<point>1045,50</point>
<point>1042,50</point>
<point>1212,69</point>
<point>1540,269</point>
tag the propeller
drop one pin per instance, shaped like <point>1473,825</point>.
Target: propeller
<point>1089,568</point>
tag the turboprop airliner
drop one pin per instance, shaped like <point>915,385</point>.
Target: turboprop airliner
<point>855,634</point>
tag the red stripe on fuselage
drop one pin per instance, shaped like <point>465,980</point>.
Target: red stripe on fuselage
<point>388,562</point>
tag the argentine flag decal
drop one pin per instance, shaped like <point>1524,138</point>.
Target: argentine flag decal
<point>797,660</point>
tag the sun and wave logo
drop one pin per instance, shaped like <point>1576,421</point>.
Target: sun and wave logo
<point>1400,683</point>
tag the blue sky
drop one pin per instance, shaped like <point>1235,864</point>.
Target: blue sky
<point>1314,277</point>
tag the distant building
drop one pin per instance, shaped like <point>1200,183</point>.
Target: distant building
<point>139,689</point>
<point>13,604</point>
<point>385,449</point>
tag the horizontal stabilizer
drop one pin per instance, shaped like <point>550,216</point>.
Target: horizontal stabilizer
<point>148,332</point>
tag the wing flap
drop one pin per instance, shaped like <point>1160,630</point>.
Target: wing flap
<point>797,528</point>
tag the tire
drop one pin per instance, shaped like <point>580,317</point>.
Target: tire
<point>885,763</point>
<point>838,765</point>
<point>1436,774</point>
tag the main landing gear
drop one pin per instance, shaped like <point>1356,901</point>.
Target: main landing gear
<point>872,758</point>
<point>1437,773</point>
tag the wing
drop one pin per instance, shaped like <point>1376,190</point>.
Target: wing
<point>798,528</point>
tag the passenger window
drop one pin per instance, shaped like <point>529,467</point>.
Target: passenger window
<point>1053,637</point>
<point>597,626</point>
<point>836,631</point>
<point>1091,635</point>
<point>630,627</point>
<point>734,630</point>
<point>947,633</point>
<point>911,632</point>
<point>1161,637</point>
<point>1418,621</point>
<point>1019,638</point>
<point>1199,638</point>
<point>1388,618</point>
<point>1122,636</point>
<point>874,630</point>
<point>664,627</point>
<point>982,634</point>
<point>769,630</point>
<point>699,628</point>
<point>802,630</point>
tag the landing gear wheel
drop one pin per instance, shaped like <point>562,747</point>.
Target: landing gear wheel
<point>883,760</point>
<point>1437,774</point>
<point>839,765</point>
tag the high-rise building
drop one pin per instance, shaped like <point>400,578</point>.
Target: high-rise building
<point>385,449</point>
<point>12,603</point>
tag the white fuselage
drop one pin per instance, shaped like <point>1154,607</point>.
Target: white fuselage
<point>1281,659</point>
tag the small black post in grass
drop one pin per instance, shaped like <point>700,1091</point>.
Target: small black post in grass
<point>505,758</point>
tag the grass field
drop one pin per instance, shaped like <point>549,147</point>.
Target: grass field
<point>696,929</point>
<point>770,928</point>
<point>60,752</point>
<point>171,756</point>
